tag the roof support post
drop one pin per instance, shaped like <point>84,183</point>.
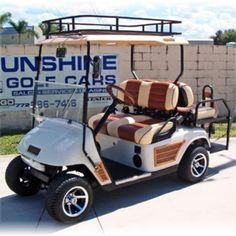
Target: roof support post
<point>132,62</point>
<point>85,98</point>
<point>181,64</point>
<point>39,58</point>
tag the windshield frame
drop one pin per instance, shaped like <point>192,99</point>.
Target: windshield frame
<point>86,87</point>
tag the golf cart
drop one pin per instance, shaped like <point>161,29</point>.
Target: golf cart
<point>151,128</point>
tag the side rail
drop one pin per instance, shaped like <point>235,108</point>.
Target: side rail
<point>216,119</point>
<point>161,136</point>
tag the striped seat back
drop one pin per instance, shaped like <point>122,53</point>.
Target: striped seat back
<point>150,94</point>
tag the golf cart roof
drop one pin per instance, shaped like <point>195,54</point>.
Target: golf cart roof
<point>111,30</point>
<point>116,40</point>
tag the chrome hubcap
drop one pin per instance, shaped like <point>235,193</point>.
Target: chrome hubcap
<point>75,201</point>
<point>199,165</point>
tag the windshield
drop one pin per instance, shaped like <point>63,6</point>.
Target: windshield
<point>72,86</point>
<point>59,100</point>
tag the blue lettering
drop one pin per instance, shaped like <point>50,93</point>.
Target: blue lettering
<point>70,80</point>
<point>71,63</point>
<point>49,63</point>
<point>82,80</point>
<point>12,83</point>
<point>26,82</point>
<point>79,63</point>
<point>110,79</point>
<point>25,61</point>
<point>109,62</point>
<point>98,80</point>
<point>14,68</point>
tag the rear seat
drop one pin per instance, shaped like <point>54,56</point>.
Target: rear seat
<point>139,128</point>
<point>185,104</point>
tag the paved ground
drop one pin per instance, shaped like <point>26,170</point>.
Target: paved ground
<point>163,205</point>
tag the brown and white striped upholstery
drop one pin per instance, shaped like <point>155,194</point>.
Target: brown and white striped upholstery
<point>151,94</point>
<point>140,128</point>
<point>186,100</point>
<point>140,132</point>
<point>93,121</point>
<point>136,128</point>
<point>114,121</point>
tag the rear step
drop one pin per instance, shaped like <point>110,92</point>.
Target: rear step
<point>217,147</point>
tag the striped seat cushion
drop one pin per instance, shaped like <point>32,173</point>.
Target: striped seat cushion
<point>93,121</point>
<point>114,121</point>
<point>150,94</point>
<point>136,128</point>
<point>139,132</point>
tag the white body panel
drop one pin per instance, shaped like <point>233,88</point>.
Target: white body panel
<point>122,151</point>
<point>60,144</point>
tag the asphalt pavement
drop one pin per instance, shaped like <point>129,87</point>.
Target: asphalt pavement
<point>164,205</point>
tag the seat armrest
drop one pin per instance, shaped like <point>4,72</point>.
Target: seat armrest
<point>184,109</point>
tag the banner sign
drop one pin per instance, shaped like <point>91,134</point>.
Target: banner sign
<point>17,76</point>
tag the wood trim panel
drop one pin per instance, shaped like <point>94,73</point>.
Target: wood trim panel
<point>166,153</point>
<point>101,172</point>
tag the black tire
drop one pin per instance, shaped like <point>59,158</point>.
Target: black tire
<point>194,165</point>
<point>61,203</point>
<point>19,179</point>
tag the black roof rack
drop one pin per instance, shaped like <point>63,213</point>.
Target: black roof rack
<point>103,24</point>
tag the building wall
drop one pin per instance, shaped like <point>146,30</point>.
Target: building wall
<point>14,39</point>
<point>204,64</point>
<point>26,38</point>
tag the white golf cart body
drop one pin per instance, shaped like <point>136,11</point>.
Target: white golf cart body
<point>170,150</point>
<point>60,144</point>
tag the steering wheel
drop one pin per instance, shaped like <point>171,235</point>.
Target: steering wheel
<point>114,97</point>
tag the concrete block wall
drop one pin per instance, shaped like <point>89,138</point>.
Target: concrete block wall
<point>204,64</point>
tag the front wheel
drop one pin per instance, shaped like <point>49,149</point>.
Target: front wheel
<point>69,198</point>
<point>194,165</point>
<point>19,179</point>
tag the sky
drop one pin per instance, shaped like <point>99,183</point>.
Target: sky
<point>200,18</point>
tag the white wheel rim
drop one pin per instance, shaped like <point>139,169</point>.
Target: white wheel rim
<point>75,201</point>
<point>199,165</point>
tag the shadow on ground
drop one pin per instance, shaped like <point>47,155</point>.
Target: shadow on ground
<point>28,213</point>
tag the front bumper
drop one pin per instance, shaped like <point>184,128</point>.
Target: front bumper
<point>34,164</point>
<point>37,169</point>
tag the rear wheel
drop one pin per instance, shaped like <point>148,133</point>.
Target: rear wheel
<point>69,198</point>
<point>19,179</point>
<point>194,165</point>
